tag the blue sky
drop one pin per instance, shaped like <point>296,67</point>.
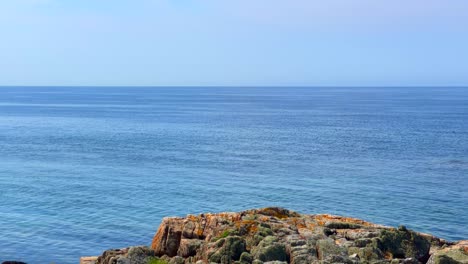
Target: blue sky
<point>234,42</point>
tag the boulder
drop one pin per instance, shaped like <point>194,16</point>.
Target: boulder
<point>227,250</point>
<point>402,243</point>
<point>131,255</point>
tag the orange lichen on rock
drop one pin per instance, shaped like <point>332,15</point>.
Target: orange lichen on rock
<point>250,225</point>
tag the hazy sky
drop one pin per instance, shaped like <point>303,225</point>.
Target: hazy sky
<point>233,42</point>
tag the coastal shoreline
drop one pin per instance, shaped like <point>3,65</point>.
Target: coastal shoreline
<point>278,235</point>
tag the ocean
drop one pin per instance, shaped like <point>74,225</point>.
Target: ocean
<point>85,169</point>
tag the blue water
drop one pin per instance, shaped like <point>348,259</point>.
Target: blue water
<point>87,169</point>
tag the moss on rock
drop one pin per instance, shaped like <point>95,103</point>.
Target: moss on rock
<point>403,243</point>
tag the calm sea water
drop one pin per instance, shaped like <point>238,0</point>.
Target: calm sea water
<point>87,169</point>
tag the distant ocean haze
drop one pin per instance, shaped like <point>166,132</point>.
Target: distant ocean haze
<point>84,169</point>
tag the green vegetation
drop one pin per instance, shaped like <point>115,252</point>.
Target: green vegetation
<point>157,261</point>
<point>225,234</point>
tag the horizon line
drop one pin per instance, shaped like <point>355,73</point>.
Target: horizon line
<point>239,86</point>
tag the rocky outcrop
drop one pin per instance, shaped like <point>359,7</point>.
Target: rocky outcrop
<point>451,255</point>
<point>276,235</point>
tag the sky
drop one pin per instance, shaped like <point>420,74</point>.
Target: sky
<point>234,42</point>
